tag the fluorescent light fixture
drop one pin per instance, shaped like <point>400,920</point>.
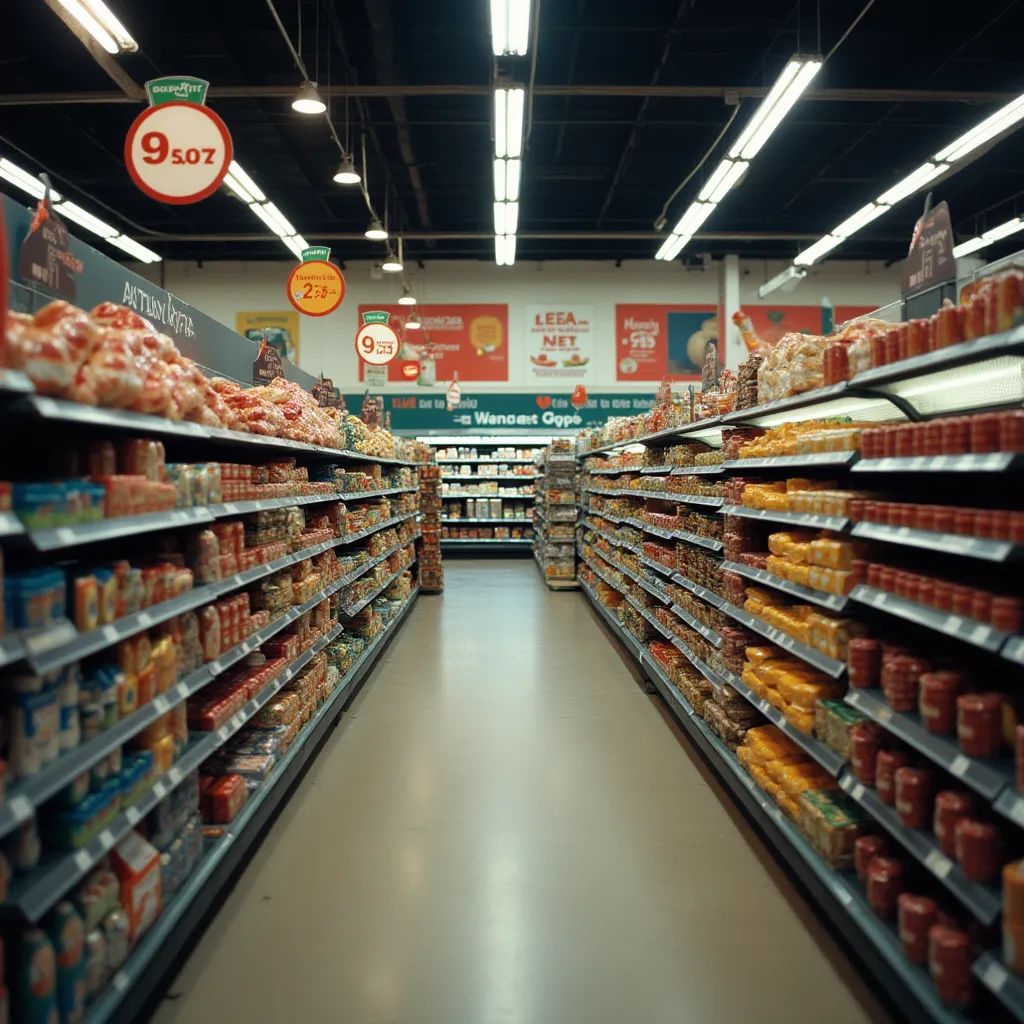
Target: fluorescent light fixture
<point>695,215</point>
<point>293,244</point>
<point>788,88</point>
<point>1011,227</point>
<point>500,181</point>
<point>238,188</point>
<point>508,121</point>
<point>732,177</point>
<point>671,247</point>
<point>391,264</point>
<point>301,242</point>
<point>912,183</point>
<point>260,209</point>
<point>413,323</point>
<point>787,280</point>
<point>281,219</point>
<point>992,126</point>
<point>347,173</point>
<point>510,250</point>
<point>814,253</point>
<point>513,172</point>
<point>71,211</point>
<point>865,215</point>
<point>26,182</point>
<point>510,26</point>
<point>307,99</point>
<point>511,218</point>
<point>375,232</point>
<point>499,218</point>
<point>504,250</point>
<point>98,20</point>
<point>407,298</point>
<point>247,184</point>
<point>716,179</point>
<point>133,248</point>
<point>971,245</point>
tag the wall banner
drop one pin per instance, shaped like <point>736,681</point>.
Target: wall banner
<point>559,342</point>
<point>655,341</point>
<point>468,339</point>
<point>281,328</point>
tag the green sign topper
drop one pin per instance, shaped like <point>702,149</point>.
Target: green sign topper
<point>177,89</point>
<point>316,252</point>
<point>489,411</point>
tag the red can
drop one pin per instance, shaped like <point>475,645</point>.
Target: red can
<point>962,599</point>
<point>884,885</point>
<point>977,849</point>
<point>856,509</point>
<point>937,701</point>
<point>863,661</point>
<point>858,571</point>
<point>925,590</point>
<point>892,345</point>
<point>963,522</point>
<point>905,442</point>
<point>982,522</point>
<point>865,849</point>
<point>917,337</point>
<point>879,350</point>
<point>1017,527</point>
<point>945,518</point>
<point>886,764</point>
<point>1011,431</point>
<point>889,439</point>
<point>925,517</point>
<point>942,596</point>
<point>950,324</point>
<point>887,578</point>
<point>1007,613</point>
<point>949,963</point>
<point>867,742</point>
<point>984,433</point>
<point>979,723</point>
<point>977,309</point>
<point>1000,524</point>
<point>874,574</point>
<point>915,916</point>
<point>870,510</point>
<point>913,796</point>
<point>981,605</point>
<point>870,440</point>
<point>955,435</point>
<point>933,437</point>
<point>950,806</point>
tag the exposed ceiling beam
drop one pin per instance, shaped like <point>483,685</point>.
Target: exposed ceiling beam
<point>229,92</point>
<point>461,236</point>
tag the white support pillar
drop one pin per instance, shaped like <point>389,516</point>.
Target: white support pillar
<point>729,290</point>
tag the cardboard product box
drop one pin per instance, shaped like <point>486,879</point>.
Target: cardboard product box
<point>495,512</point>
<point>136,862</point>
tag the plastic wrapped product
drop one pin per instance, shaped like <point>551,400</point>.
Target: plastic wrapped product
<point>884,885</point>
<point>949,961</point>
<point>915,917</point>
<point>978,849</point>
<point>886,764</point>
<point>209,633</point>
<point>950,807</point>
<point>865,849</point>
<point>979,723</point>
<point>204,556</point>
<point>913,796</point>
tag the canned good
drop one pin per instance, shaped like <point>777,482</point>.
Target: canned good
<point>884,885</point>
<point>979,723</point>
<point>955,435</point>
<point>981,605</point>
<point>963,522</point>
<point>984,433</point>
<point>1007,613</point>
<point>886,764</point>
<point>925,517</point>
<point>866,744</point>
<point>977,848</point>
<point>937,701</point>
<point>863,661</point>
<point>1011,431</point>
<point>865,849</point>
<point>962,599</point>
<point>950,806</point>
<point>913,796</point>
<point>915,916</point>
<point>949,962</point>
<point>918,337</point>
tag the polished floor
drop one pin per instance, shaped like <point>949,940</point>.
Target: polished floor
<point>505,829</point>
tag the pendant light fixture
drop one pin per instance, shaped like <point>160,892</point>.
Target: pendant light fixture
<point>407,298</point>
<point>307,99</point>
<point>375,232</point>
<point>413,323</point>
<point>393,263</point>
<point>347,173</point>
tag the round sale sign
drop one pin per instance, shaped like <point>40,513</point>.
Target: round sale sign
<point>316,287</point>
<point>376,342</point>
<point>178,152</point>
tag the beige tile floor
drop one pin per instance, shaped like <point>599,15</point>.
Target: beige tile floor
<point>504,829</point>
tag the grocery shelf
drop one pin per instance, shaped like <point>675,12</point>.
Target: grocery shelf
<point>837,893</point>
<point>555,582</point>
<point>678,496</point>
<point>464,477</point>
<point>997,462</point>
<point>611,538</point>
<point>356,608</point>
<point>57,537</point>
<point>485,462</point>
<point>971,631</point>
<point>809,519</point>
<point>985,902</point>
<point>1010,804</point>
<point>486,540</point>
<point>835,602</point>
<point>134,984</point>
<point>1014,650</point>
<point>829,760</point>
<point>830,666</point>
<point>811,460</point>
<point>698,470</point>
<point>802,400</point>
<point>656,591</point>
<point>986,776</point>
<point>691,538</point>
<point>665,570</point>
<point>1006,986</point>
<point>10,525</point>
<point>495,519</point>
<point>659,438</point>
<point>947,543</point>
<point>24,796</point>
<point>702,592</point>
<point>706,631</point>
<point>505,497</point>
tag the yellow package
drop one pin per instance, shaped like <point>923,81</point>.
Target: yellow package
<point>755,655</point>
<point>775,502</point>
<point>773,789</point>
<point>781,768</point>
<point>800,719</point>
<point>743,755</point>
<point>760,776</point>
<point>801,483</point>
<point>771,670</point>
<point>801,573</point>
<point>790,808</point>
<point>805,694</point>
<point>768,742</point>
<point>751,678</point>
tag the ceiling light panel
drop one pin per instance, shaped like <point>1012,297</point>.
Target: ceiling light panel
<point>98,20</point>
<point>510,26</point>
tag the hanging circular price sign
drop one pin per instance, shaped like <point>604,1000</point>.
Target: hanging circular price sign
<point>377,342</point>
<point>178,152</point>
<point>316,287</point>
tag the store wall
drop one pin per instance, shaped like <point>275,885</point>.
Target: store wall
<point>223,289</point>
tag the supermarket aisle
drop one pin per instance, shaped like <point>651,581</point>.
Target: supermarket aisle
<point>504,831</point>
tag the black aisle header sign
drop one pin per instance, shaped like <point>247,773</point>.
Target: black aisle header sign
<point>268,364</point>
<point>930,261</point>
<point>46,259</point>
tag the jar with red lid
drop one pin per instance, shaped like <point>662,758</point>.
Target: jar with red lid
<point>918,333</point>
<point>982,522</point>
<point>1000,524</point>
<point>865,849</point>
<point>984,433</point>
<point>944,518</point>
<point>955,435</point>
<point>914,796</point>
<point>879,350</point>
<point>858,571</point>
<point>963,522</point>
<point>884,885</point>
<point>886,764</point>
<point>977,849</point>
<point>979,721</point>
<point>925,517</point>
<point>949,963</point>
<point>1018,753</point>
<point>950,806</point>
<point>937,701</point>
<point>933,437</point>
<point>1007,613</point>
<point>962,598</point>
<point>981,605</point>
<point>866,743</point>
<point>942,596</point>
<point>1011,431</point>
<point>915,916</point>
<point>863,662</point>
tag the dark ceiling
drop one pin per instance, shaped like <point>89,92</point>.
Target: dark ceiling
<point>599,163</point>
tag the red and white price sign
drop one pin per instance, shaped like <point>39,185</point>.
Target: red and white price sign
<point>178,152</point>
<point>376,342</point>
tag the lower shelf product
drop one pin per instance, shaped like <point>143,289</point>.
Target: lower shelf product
<point>555,515</point>
<point>431,570</point>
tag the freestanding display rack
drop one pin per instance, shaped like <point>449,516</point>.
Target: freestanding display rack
<point>555,514</point>
<point>845,577</point>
